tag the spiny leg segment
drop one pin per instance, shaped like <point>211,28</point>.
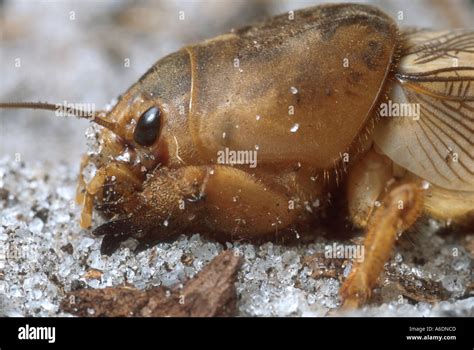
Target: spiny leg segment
<point>401,206</point>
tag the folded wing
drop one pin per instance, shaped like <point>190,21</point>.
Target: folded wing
<point>435,82</point>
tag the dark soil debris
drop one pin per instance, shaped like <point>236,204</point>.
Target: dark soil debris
<point>210,293</point>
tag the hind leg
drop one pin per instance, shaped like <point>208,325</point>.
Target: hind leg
<point>400,208</point>
<point>399,205</point>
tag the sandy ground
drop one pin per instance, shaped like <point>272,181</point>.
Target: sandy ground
<point>75,52</point>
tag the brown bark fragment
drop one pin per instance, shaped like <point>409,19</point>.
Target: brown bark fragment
<point>210,293</point>
<point>425,291</point>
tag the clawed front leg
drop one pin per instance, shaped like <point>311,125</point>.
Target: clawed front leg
<point>87,193</point>
<point>81,184</point>
<point>216,199</point>
<point>169,203</point>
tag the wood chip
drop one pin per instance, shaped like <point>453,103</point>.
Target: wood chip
<point>210,293</point>
<point>418,289</point>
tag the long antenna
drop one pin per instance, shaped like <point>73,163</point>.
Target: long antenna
<point>96,117</point>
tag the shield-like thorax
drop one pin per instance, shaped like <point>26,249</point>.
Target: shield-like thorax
<point>297,88</point>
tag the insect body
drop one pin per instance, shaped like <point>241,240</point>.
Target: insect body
<point>303,98</point>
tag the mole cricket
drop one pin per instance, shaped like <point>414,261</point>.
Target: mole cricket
<point>329,99</point>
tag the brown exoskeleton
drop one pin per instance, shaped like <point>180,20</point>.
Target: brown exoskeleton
<point>309,94</point>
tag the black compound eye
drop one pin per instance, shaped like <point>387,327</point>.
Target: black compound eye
<point>148,127</point>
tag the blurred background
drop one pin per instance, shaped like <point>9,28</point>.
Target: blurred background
<point>90,52</point>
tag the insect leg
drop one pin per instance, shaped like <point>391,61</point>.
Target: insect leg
<point>94,188</point>
<point>207,199</point>
<point>169,203</point>
<point>81,184</point>
<point>367,179</point>
<point>400,208</point>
